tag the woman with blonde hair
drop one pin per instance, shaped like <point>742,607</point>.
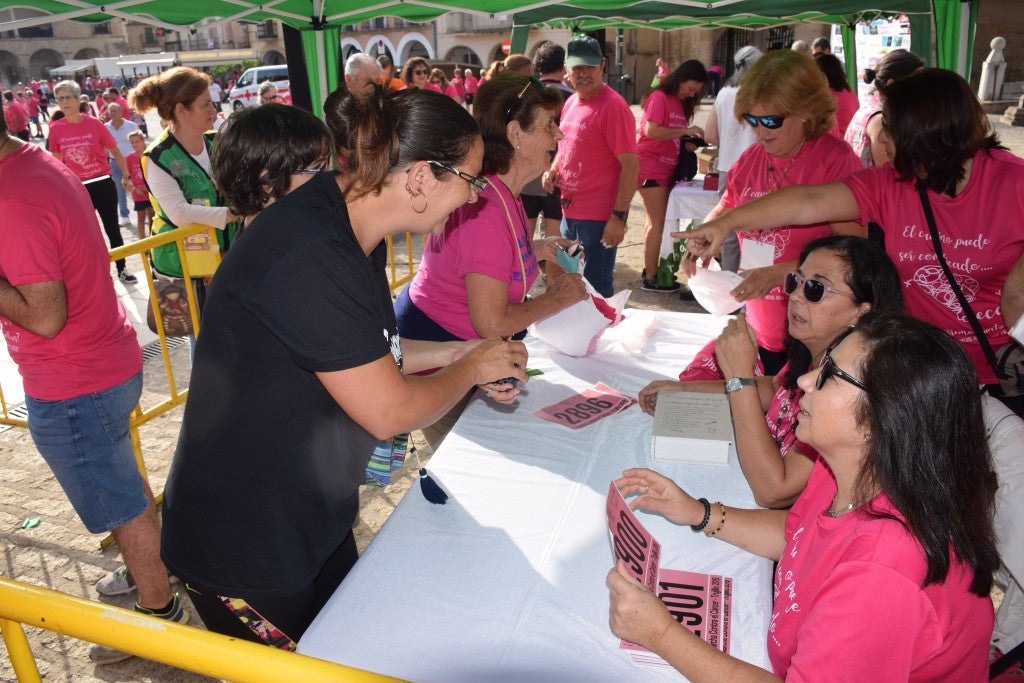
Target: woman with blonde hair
<point>438,82</point>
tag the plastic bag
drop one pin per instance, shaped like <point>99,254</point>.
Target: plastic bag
<point>575,331</point>
<point>711,287</point>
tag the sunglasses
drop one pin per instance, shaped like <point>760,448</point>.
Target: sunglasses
<point>814,290</point>
<point>519,97</point>
<point>478,183</point>
<point>830,369</point>
<point>419,72</point>
<point>769,121</point>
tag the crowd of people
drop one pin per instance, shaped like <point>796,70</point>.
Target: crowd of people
<point>882,264</point>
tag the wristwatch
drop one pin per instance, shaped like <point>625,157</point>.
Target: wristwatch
<point>622,215</point>
<point>737,383</point>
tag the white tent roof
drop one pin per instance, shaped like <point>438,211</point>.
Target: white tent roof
<point>71,67</point>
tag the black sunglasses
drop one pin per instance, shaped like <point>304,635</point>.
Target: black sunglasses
<point>814,290</point>
<point>420,72</point>
<point>830,369</point>
<point>478,183</point>
<point>769,121</point>
<point>519,97</point>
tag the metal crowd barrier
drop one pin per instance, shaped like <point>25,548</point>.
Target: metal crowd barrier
<point>210,654</point>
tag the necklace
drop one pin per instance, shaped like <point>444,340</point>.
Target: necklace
<point>832,512</point>
<point>777,182</point>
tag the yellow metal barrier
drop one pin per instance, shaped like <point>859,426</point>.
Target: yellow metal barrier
<point>210,654</point>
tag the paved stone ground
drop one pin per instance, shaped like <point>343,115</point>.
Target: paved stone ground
<point>61,555</point>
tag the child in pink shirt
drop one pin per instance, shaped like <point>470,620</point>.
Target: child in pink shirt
<point>140,193</point>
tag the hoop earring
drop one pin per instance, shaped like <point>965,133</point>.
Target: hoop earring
<point>412,200</point>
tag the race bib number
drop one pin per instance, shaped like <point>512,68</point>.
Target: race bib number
<point>586,407</point>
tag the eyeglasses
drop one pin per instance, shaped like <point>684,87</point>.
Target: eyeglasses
<point>830,369</point>
<point>478,183</point>
<point>419,72</point>
<point>270,98</point>
<point>769,121</point>
<point>318,166</point>
<point>519,97</point>
<point>814,290</point>
<point>64,98</point>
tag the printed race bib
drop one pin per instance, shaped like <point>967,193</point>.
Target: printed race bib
<point>586,407</point>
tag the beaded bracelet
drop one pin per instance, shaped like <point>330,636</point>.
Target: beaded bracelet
<point>721,523</point>
<point>707,515</point>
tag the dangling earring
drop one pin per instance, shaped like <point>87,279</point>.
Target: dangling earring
<point>412,200</point>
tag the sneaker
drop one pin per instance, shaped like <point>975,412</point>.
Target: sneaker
<point>653,286</point>
<point>125,222</point>
<point>126,277</point>
<point>120,582</point>
<point>101,654</point>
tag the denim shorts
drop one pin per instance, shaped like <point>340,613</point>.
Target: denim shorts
<point>86,442</point>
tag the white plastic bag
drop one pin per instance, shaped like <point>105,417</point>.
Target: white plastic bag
<point>711,287</point>
<point>575,331</point>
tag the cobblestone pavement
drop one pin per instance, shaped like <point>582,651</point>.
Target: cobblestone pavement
<point>60,554</point>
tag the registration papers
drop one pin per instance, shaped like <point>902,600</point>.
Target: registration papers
<point>586,407</point>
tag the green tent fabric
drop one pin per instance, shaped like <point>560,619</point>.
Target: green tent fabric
<point>321,20</point>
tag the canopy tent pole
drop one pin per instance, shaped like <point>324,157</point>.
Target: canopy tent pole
<point>850,52</point>
<point>517,41</point>
<point>921,38</point>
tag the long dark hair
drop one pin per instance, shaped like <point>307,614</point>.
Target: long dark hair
<point>833,70</point>
<point>690,70</point>
<point>497,102</point>
<point>388,130</point>
<point>893,66</point>
<point>927,448</point>
<point>870,275</point>
<point>936,124</point>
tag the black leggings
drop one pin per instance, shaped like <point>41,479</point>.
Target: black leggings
<point>291,614</point>
<point>103,194</point>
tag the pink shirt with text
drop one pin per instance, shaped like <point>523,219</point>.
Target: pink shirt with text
<point>48,240</point>
<point>596,131</point>
<point>83,146</point>
<point>134,163</point>
<point>658,158</point>
<point>755,174</point>
<point>982,240</point>
<point>850,607</point>
<point>478,238</point>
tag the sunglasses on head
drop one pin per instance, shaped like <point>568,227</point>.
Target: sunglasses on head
<point>814,290</point>
<point>830,369</point>
<point>519,98</point>
<point>769,121</point>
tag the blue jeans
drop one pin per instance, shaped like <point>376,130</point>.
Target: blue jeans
<point>600,259</point>
<point>122,196</point>
<point>86,442</point>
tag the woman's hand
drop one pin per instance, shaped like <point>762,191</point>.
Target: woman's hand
<point>567,289</point>
<point>660,495</point>
<point>703,243</point>
<point>736,348</point>
<point>757,282</point>
<point>648,396</point>
<point>635,614</point>
<point>549,180</point>
<point>495,360</point>
<point>546,248</point>
<point>500,392</point>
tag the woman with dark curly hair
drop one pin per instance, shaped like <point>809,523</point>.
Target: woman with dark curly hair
<point>416,73</point>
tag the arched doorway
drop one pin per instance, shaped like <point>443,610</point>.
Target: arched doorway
<point>11,69</point>
<point>272,58</point>
<point>88,53</point>
<point>41,61</point>
<point>460,54</point>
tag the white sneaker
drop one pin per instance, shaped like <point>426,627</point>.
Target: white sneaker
<point>125,222</point>
<point>101,654</point>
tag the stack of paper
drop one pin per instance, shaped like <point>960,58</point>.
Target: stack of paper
<point>690,427</point>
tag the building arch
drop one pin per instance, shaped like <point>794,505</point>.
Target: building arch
<point>88,53</point>
<point>347,47</point>
<point>414,44</point>
<point>381,45</point>
<point>41,61</point>
<point>461,54</point>
<point>272,58</point>
<point>11,69</point>
<point>497,55</point>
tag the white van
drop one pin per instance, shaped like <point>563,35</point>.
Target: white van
<point>246,91</point>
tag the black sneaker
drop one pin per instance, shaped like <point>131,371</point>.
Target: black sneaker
<point>126,277</point>
<point>653,286</point>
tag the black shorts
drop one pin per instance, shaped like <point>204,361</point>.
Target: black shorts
<point>143,205</point>
<point>550,205</point>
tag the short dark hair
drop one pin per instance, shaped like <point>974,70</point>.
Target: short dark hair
<point>833,70</point>
<point>821,44</point>
<point>258,150</point>
<point>690,70</point>
<point>936,124</point>
<point>927,449</point>
<point>870,275</point>
<point>548,58</point>
<point>497,102</point>
<point>384,61</point>
<point>389,130</point>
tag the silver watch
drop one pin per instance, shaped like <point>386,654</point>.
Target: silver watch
<point>737,383</point>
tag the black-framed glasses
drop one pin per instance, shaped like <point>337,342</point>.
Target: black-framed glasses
<point>478,183</point>
<point>519,98</point>
<point>814,290</point>
<point>829,368</point>
<point>769,121</point>
<point>420,72</point>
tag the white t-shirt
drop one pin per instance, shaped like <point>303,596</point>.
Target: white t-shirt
<point>215,93</point>
<point>734,136</point>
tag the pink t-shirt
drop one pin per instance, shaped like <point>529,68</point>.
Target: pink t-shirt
<point>982,240</point>
<point>472,83</point>
<point>456,90</point>
<point>596,131</point>
<point>846,106</point>
<point>821,160</point>
<point>431,86</point>
<point>658,158</point>
<point>134,162</point>
<point>782,417</point>
<point>478,238</point>
<point>849,605</point>
<point>51,236</point>
<point>83,146</point>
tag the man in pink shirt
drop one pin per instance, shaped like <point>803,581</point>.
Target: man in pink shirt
<point>596,166</point>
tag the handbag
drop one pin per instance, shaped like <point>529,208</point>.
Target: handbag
<point>175,310</point>
<point>1008,361</point>
<point>686,167</point>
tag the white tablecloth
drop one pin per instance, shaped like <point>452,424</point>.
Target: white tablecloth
<point>506,582</point>
<point>689,200</point>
